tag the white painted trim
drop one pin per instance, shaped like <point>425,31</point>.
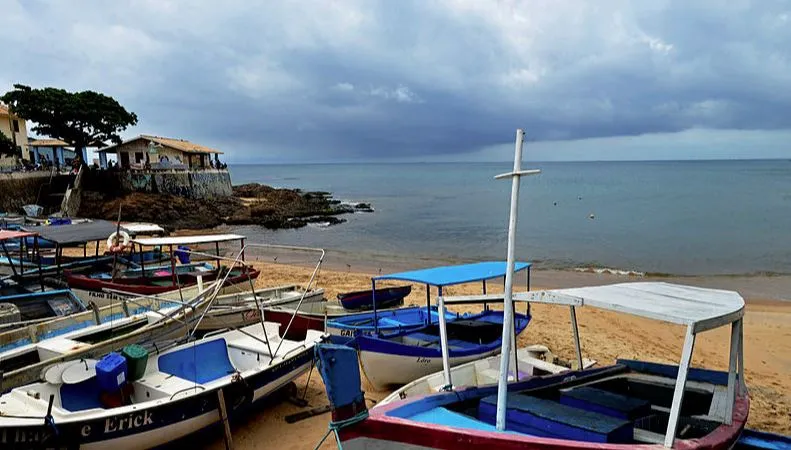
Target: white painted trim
<point>732,371</point>
<point>443,337</point>
<point>576,332</point>
<point>681,382</point>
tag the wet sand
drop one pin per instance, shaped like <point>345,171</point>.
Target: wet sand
<point>605,337</point>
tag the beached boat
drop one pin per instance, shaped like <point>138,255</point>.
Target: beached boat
<point>621,406</point>
<point>155,286</point>
<point>632,404</point>
<point>239,309</point>
<point>175,392</point>
<point>397,359</point>
<point>384,297</point>
<point>534,360</point>
<point>348,327</point>
<point>41,305</point>
<point>165,323</point>
<point>761,440</point>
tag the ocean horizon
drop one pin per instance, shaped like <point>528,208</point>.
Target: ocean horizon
<point>692,217</point>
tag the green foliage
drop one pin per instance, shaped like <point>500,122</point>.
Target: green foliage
<point>7,147</point>
<point>82,119</point>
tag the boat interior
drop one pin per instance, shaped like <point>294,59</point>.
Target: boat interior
<point>463,333</point>
<point>165,376</point>
<point>392,319</point>
<point>40,305</point>
<point>18,348</point>
<point>628,403</point>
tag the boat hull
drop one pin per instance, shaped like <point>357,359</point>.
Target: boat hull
<point>385,298</point>
<point>383,369</point>
<point>94,290</point>
<point>158,425</point>
<point>392,426</point>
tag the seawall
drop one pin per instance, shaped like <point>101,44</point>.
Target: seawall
<point>23,188</point>
<point>203,184</point>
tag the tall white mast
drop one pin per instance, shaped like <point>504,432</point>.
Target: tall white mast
<point>508,301</point>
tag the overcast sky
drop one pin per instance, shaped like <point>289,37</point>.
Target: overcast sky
<point>324,81</point>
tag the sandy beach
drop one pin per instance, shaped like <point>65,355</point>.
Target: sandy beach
<point>605,337</point>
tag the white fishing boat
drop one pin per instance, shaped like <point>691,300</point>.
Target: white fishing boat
<point>115,403</point>
<point>239,309</point>
<point>534,360</point>
<point>48,346</point>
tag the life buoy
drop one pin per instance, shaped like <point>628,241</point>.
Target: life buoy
<point>113,246</point>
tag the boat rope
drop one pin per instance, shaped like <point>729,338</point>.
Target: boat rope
<point>335,427</point>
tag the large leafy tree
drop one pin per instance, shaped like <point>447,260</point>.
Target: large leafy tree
<point>7,147</point>
<point>81,119</point>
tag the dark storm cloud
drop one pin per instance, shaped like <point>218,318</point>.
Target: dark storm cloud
<point>361,79</point>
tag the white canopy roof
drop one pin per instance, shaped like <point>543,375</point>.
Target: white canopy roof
<point>141,228</point>
<point>188,240</point>
<point>701,308</point>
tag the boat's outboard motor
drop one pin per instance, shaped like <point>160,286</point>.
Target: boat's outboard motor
<point>341,374</point>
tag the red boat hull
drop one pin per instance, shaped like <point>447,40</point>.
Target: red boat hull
<point>385,432</point>
<point>91,284</point>
<point>299,327</point>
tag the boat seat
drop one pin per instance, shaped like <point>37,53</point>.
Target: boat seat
<point>80,396</point>
<point>605,402</point>
<point>159,385</point>
<point>546,418</point>
<point>202,363</point>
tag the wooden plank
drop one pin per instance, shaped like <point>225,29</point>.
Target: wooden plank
<point>575,330</point>
<point>224,418</point>
<point>732,369</point>
<point>681,382</point>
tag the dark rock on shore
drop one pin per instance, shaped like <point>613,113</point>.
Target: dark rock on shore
<point>251,204</point>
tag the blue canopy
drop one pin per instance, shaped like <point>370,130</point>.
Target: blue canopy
<point>450,275</point>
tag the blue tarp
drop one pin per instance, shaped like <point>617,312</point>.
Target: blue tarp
<point>450,275</point>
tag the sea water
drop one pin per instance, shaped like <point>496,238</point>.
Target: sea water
<point>669,217</point>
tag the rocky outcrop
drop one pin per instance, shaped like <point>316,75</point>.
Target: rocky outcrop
<point>250,204</point>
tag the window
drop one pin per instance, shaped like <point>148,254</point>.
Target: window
<point>16,126</point>
<point>138,157</point>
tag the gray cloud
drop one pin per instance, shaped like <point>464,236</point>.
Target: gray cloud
<point>281,81</point>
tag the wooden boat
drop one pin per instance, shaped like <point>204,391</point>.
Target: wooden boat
<point>344,327</point>
<point>240,309</point>
<point>141,286</point>
<point>631,404</point>
<point>398,358</point>
<point>401,319</point>
<point>165,323</point>
<point>43,305</point>
<point>761,440</point>
<point>385,298</point>
<point>179,392</point>
<point>533,360</point>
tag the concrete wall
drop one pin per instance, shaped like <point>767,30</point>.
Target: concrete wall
<point>204,184</point>
<point>23,188</point>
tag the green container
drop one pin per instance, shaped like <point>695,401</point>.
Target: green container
<point>136,361</point>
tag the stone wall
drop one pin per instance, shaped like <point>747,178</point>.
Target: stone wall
<point>203,184</point>
<point>23,188</point>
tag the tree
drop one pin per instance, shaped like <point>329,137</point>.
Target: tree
<point>81,119</point>
<point>7,147</point>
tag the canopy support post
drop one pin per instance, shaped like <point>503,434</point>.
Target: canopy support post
<point>37,255</point>
<point>681,382</point>
<point>485,305</point>
<point>732,371</point>
<point>443,335</point>
<point>373,300</point>
<point>576,331</point>
<point>172,265</point>
<point>740,357</point>
<point>513,344</point>
<point>428,305</point>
